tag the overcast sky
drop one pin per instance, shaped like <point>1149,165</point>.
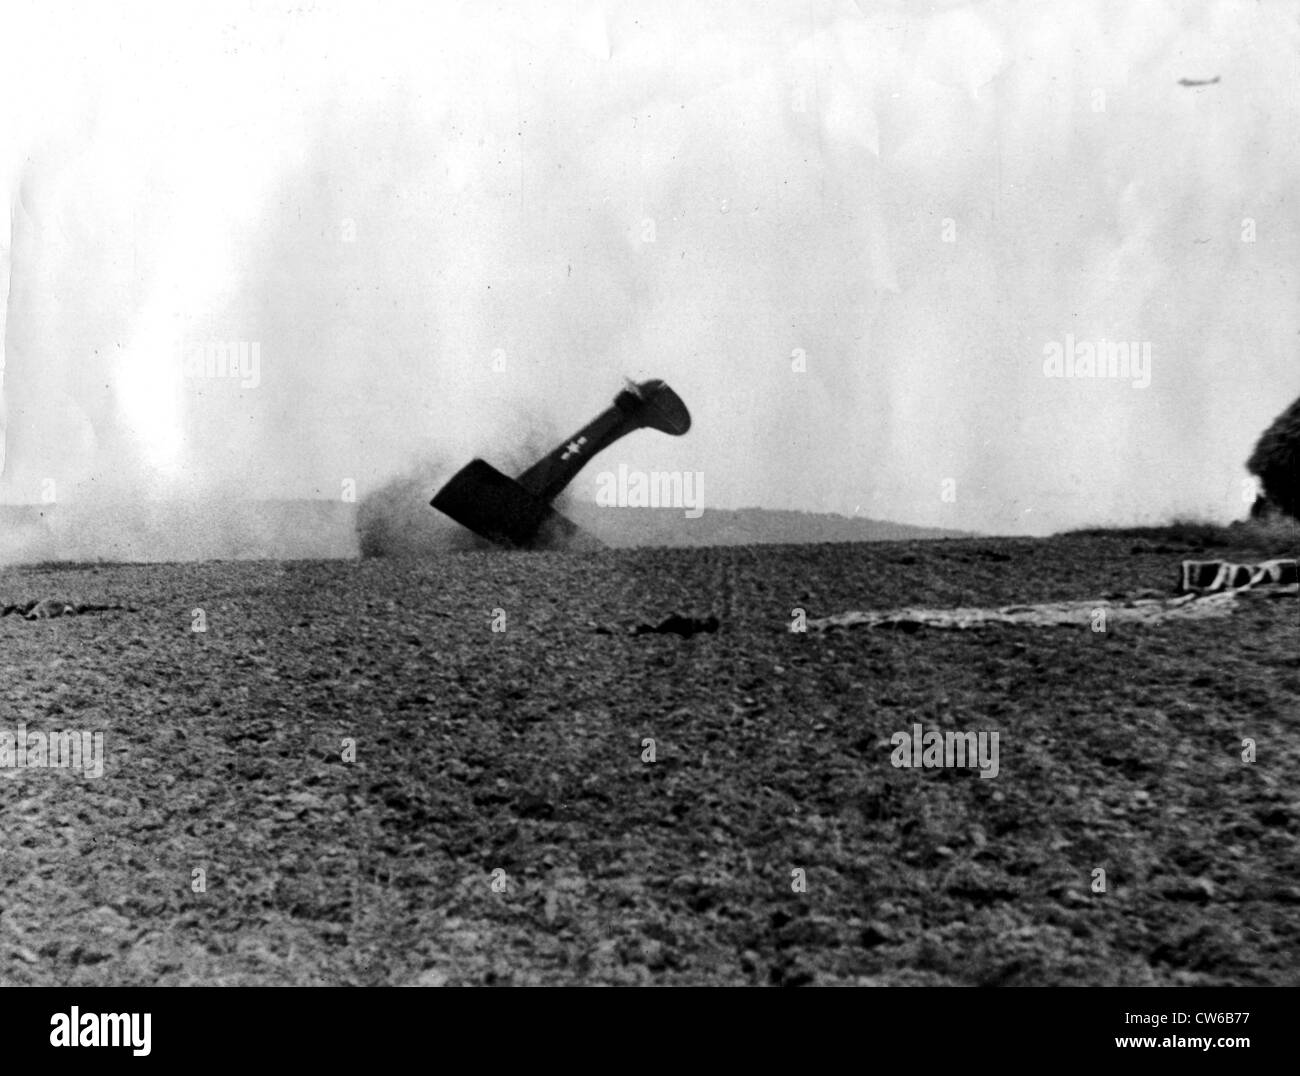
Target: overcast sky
<point>913,203</point>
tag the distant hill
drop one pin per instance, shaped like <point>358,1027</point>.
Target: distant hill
<point>622,527</point>
<point>310,530</point>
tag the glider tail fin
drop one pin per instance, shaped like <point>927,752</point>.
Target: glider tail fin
<point>649,403</point>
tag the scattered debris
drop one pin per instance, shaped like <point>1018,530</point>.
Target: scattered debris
<point>1214,576</point>
<point>676,624</point>
<point>1046,614</point>
<point>1207,588</point>
<point>49,608</point>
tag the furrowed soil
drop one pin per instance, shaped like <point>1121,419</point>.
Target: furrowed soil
<point>498,823</point>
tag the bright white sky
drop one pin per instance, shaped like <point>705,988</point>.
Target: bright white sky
<point>384,196</point>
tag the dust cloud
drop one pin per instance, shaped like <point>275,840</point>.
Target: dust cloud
<point>326,254</point>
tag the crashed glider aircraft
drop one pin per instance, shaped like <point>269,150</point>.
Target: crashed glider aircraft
<point>518,512</point>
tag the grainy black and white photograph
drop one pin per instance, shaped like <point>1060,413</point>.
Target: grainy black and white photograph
<point>682,493</point>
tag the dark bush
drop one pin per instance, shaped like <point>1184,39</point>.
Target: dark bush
<point>1276,461</point>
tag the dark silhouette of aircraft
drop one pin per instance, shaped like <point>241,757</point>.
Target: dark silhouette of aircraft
<point>518,512</point>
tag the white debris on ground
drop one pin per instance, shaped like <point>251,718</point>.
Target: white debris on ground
<point>1211,595</point>
<point>1212,576</point>
<point>49,608</point>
